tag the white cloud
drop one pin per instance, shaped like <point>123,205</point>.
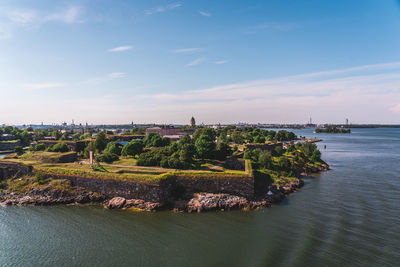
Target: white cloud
<point>69,16</point>
<point>23,17</point>
<point>205,14</point>
<point>43,85</point>
<point>187,50</point>
<point>271,26</point>
<point>195,62</point>
<point>121,48</point>
<point>161,9</point>
<point>220,62</point>
<point>117,75</point>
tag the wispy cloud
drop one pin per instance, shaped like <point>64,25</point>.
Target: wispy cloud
<point>106,78</point>
<point>368,93</point>
<point>220,62</point>
<point>121,48</point>
<point>205,14</point>
<point>116,75</point>
<point>271,26</point>
<point>195,62</point>
<point>42,85</point>
<point>33,18</point>
<point>23,17</point>
<point>70,15</point>
<point>161,9</point>
<point>187,50</point>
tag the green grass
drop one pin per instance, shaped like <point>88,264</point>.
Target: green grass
<point>125,162</point>
<point>9,142</point>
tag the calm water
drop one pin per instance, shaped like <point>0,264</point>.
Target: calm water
<point>349,216</point>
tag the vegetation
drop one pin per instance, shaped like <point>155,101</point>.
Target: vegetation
<point>332,129</point>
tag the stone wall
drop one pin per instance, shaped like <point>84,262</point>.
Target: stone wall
<point>130,190</point>
<point>11,169</point>
<point>264,147</point>
<point>8,146</point>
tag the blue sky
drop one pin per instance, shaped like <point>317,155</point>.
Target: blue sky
<point>220,61</point>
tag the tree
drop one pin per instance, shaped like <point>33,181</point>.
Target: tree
<point>284,164</point>
<point>40,147</point>
<point>210,132</point>
<point>237,137</point>
<point>316,156</point>
<point>205,147</point>
<point>100,142</point>
<point>19,150</point>
<point>223,150</point>
<point>113,148</point>
<point>265,160</point>
<point>186,154</point>
<point>133,148</point>
<point>59,147</point>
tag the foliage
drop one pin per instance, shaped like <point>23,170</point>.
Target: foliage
<point>133,148</point>
<point>19,150</point>
<point>205,146</point>
<point>40,147</point>
<point>100,142</point>
<point>59,147</point>
<point>113,148</point>
<point>108,157</point>
<point>40,178</point>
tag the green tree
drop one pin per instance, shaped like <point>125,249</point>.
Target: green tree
<point>133,148</point>
<point>113,148</point>
<point>237,137</point>
<point>40,147</point>
<point>59,147</point>
<point>19,150</point>
<point>100,142</point>
<point>265,160</point>
<point>205,147</point>
<point>223,150</point>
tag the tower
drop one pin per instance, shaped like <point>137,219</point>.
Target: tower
<point>192,122</point>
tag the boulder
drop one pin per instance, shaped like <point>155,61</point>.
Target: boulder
<point>116,203</point>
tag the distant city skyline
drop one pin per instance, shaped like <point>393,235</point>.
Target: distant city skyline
<point>114,62</point>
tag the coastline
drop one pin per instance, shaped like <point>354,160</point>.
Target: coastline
<point>61,192</point>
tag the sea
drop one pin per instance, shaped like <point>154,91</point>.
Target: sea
<point>348,216</point>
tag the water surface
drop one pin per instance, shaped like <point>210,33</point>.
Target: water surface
<point>349,216</point>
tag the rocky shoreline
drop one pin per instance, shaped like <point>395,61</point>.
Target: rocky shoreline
<point>198,202</point>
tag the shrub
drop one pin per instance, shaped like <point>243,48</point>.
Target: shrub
<point>40,178</point>
<point>113,148</point>
<point>40,147</point>
<point>60,147</point>
<point>108,157</point>
<point>205,147</point>
<point>19,150</point>
<point>133,148</point>
<point>100,142</point>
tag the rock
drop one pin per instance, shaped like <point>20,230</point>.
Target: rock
<point>116,203</point>
<point>207,201</point>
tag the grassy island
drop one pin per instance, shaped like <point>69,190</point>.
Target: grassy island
<point>241,161</point>
<point>331,129</point>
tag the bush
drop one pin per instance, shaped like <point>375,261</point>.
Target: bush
<point>153,157</point>
<point>19,150</point>
<point>113,148</point>
<point>40,147</point>
<point>40,178</point>
<point>109,157</point>
<point>60,147</point>
<point>205,147</point>
<point>133,148</point>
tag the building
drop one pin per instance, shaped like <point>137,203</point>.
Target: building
<point>169,131</point>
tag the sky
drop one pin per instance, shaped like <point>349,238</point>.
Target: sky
<point>270,61</point>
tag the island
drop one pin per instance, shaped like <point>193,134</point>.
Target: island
<point>188,168</point>
<point>332,129</point>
